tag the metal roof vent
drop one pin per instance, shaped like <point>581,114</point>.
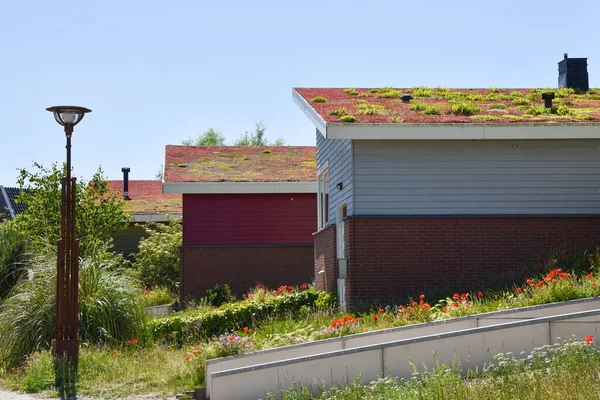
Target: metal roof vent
<point>548,99</point>
<point>406,98</point>
<point>125,171</point>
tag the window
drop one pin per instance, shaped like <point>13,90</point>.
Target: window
<point>323,196</point>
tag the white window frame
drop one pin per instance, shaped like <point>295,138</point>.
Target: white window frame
<point>323,196</point>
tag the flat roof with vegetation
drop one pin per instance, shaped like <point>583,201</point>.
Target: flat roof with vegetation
<point>240,164</point>
<point>443,105</point>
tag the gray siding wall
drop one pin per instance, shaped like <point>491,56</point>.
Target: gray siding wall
<point>338,152</point>
<point>532,177</point>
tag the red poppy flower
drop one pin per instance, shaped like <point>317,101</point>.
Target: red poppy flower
<point>422,296</point>
<point>375,318</point>
<point>194,352</point>
<point>456,296</point>
<point>518,290</point>
<point>135,340</point>
<point>589,276</point>
<point>463,296</point>
<point>112,353</point>
<point>187,358</point>
<point>454,304</point>
<point>246,329</point>
<point>479,294</point>
<point>380,310</point>
<point>589,339</point>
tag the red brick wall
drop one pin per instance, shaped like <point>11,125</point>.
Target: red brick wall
<point>402,257</point>
<point>325,259</point>
<point>243,267</point>
<point>233,219</point>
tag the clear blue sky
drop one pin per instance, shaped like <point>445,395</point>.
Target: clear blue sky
<point>156,72</point>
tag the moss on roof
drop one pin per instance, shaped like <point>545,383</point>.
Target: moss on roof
<point>147,197</point>
<point>240,164</point>
<point>443,105</point>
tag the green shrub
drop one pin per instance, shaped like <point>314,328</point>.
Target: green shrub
<point>109,310</point>
<point>157,260</point>
<point>498,106</point>
<point>417,106</point>
<point>422,91</point>
<point>397,120</point>
<point>389,93</point>
<point>319,99</point>
<point>464,109</point>
<point>348,118</point>
<point>179,329</point>
<point>219,295</point>
<point>485,118</point>
<point>351,91</point>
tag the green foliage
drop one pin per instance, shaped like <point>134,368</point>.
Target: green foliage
<point>212,137</point>
<point>351,91</point>
<point>417,106</point>
<point>157,297</point>
<point>498,106</point>
<point>519,101</point>
<point>157,259</point>
<point>257,138</point>
<point>100,212</point>
<point>397,120</point>
<point>464,109</point>
<point>388,93</point>
<point>339,112</point>
<point>319,99</point>
<point>14,257</point>
<point>430,110</point>
<point>219,295</point>
<point>485,118</point>
<point>108,309</point>
<point>348,118</point>
<point>326,301</point>
<point>176,328</point>
<point>422,91</point>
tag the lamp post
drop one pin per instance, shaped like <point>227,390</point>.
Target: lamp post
<point>65,344</point>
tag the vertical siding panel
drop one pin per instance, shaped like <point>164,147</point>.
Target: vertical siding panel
<point>338,152</point>
<point>526,177</point>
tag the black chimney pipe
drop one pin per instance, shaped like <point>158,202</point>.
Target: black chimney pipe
<point>125,171</point>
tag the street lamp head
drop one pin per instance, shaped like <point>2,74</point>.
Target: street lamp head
<point>68,115</point>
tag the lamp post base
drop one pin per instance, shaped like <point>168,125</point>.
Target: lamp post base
<point>65,349</point>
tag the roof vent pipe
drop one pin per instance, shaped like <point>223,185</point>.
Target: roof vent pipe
<point>406,98</point>
<point>125,171</point>
<point>548,99</point>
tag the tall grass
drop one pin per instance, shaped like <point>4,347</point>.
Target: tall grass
<point>108,309</point>
<point>567,370</point>
<point>14,257</point>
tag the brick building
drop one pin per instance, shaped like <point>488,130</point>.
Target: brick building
<point>431,190</point>
<point>248,215</point>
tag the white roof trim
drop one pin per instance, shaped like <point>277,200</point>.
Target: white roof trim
<point>239,187</point>
<point>463,131</point>
<point>153,217</point>
<point>309,112</point>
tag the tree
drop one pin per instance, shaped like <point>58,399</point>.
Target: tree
<point>212,137</point>
<point>257,138</point>
<point>157,260</point>
<point>99,211</point>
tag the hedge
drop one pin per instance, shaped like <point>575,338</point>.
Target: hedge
<point>179,329</point>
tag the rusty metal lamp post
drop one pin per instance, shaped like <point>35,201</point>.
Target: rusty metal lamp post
<point>65,345</point>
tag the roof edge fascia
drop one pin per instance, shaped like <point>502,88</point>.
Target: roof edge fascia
<point>463,131</point>
<point>238,187</point>
<point>314,117</point>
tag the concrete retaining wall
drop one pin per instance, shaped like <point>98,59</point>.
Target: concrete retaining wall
<point>474,347</point>
<point>394,334</point>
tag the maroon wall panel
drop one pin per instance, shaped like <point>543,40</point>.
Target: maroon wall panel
<point>241,219</point>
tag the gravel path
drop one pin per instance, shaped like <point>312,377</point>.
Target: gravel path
<point>5,395</point>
